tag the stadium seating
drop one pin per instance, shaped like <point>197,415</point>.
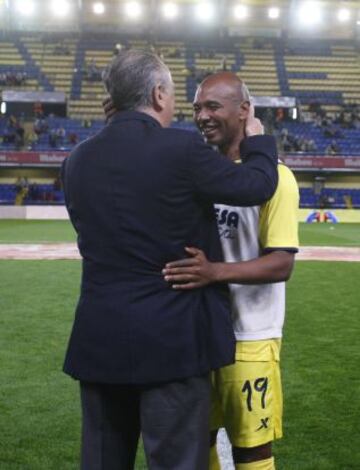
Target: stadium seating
<point>326,72</point>
<point>38,194</point>
<point>348,142</point>
<point>336,198</point>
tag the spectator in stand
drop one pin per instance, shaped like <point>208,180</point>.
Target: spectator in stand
<point>348,120</point>
<point>21,183</point>
<point>57,183</point>
<point>12,122</point>
<point>13,78</point>
<point>20,78</point>
<point>34,192</point>
<point>61,49</point>
<point>53,138</point>
<point>316,108</point>
<point>332,132</point>
<point>60,134</point>
<point>38,110</point>
<point>285,143</point>
<point>40,126</point>
<point>9,135</point>
<point>317,121</point>
<point>279,116</point>
<point>180,116</point>
<point>269,120</point>
<point>73,138</point>
<point>19,136</point>
<point>10,131</point>
<point>87,123</point>
<point>31,140</point>
<point>159,53</point>
<point>333,148</point>
<point>175,54</point>
<point>357,118</point>
<point>37,127</point>
<point>92,72</point>
<point>311,146</point>
<point>223,64</point>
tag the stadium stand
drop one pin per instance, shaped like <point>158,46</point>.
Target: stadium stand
<point>326,73</point>
<point>336,198</point>
<point>322,76</point>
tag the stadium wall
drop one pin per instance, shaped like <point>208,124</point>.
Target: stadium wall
<point>34,175</point>
<point>34,212</point>
<point>343,215</point>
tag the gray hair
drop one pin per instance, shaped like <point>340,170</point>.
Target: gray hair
<point>244,92</point>
<point>132,76</point>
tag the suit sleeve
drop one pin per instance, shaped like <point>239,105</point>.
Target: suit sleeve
<point>218,180</point>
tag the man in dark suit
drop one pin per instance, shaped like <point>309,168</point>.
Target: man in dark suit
<point>138,193</point>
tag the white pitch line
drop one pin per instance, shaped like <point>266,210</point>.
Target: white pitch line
<point>328,253</point>
<point>40,251</point>
<point>52,251</point>
<point>224,451</point>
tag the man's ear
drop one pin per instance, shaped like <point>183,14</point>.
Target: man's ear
<point>244,110</point>
<point>109,108</point>
<point>158,97</point>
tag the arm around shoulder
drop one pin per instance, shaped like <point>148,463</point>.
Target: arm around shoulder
<point>219,180</point>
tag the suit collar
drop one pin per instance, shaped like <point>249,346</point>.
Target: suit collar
<point>134,116</point>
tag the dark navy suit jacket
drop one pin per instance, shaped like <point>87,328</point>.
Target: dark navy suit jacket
<point>137,194</point>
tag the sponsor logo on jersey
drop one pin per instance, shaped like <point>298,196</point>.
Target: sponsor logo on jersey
<point>228,222</point>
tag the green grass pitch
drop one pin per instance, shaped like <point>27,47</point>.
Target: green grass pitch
<point>39,405</point>
<point>53,231</point>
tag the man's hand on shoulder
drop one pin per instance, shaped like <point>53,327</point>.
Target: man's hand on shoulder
<point>253,125</point>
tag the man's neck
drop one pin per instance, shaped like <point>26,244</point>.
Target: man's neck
<point>151,112</point>
<point>232,150</point>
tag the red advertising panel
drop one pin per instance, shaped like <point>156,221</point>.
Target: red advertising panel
<point>32,158</point>
<point>295,162</point>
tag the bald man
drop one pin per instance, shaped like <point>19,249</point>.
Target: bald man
<point>259,245</point>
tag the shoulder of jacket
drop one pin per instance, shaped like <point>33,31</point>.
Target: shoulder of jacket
<point>180,133</point>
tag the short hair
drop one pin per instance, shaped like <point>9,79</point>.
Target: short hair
<point>244,91</point>
<point>239,86</point>
<point>132,76</point>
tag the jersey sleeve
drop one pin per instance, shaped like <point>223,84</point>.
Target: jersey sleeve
<point>278,224</point>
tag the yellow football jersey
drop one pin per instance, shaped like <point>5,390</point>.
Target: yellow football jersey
<point>249,232</point>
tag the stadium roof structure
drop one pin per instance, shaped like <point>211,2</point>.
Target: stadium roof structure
<point>323,18</point>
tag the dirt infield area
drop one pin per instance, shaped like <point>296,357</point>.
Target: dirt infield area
<point>70,251</point>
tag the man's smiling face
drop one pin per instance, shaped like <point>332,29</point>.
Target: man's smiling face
<point>219,111</point>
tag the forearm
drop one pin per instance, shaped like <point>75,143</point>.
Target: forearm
<point>274,267</point>
<point>218,180</point>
